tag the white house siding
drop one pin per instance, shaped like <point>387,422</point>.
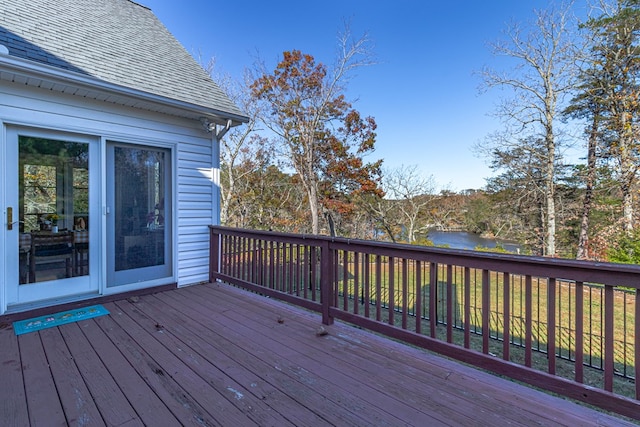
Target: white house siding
<point>194,192</point>
<point>196,207</point>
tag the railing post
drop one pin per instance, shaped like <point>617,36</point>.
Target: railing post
<point>214,253</point>
<point>326,281</point>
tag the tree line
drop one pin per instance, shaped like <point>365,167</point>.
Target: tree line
<point>300,164</point>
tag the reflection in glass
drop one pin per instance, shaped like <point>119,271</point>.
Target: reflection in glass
<point>140,216</point>
<point>53,185</point>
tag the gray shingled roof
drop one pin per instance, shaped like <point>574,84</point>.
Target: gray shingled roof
<point>117,41</point>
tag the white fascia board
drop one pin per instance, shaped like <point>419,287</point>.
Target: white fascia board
<point>25,70</point>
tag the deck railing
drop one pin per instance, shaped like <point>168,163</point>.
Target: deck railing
<point>504,313</point>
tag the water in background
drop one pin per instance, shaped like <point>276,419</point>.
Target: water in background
<point>464,240</point>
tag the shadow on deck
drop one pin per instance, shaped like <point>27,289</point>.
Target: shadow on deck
<point>216,355</point>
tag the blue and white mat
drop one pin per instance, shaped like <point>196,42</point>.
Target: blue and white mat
<point>57,319</point>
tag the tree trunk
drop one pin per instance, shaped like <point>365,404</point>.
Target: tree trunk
<point>627,205</point>
<point>583,240</point>
<point>549,190</point>
<point>225,195</point>
<point>550,249</point>
<point>314,208</point>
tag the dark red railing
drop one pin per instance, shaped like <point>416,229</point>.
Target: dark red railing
<point>504,313</point>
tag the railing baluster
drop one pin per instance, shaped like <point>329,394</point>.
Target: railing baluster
<point>345,280</point>
<point>579,362</point>
<point>276,266</point>
<point>378,287</point>
<point>467,307</point>
<point>326,281</point>
<point>418,293</point>
<point>405,292</point>
<point>246,263</point>
<point>294,263</point>
<point>486,315</point>
<point>229,254</point>
<point>236,254</point>
<point>334,273</point>
<point>366,296</point>
<point>528,316</point>
<point>449,303</point>
<point>214,254</point>
<point>506,310</point>
<point>391,298</point>
<point>224,256</point>
<point>247,259</point>
<point>636,345</point>
<point>301,268</point>
<point>608,338</point>
<point>551,325</point>
<point>356,282</point>
<point>433,298</point>
<point>250,259</point>
<point>313,283</point>
<point>239,257</point>
<point>272,264</point>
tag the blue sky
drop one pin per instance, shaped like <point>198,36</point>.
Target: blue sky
<point>423,92</point>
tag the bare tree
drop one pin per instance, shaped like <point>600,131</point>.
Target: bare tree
<point>544,73</point>
<point>242,150</point>
<point>410,194</point>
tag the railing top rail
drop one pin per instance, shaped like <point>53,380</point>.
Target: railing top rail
<point>574,270</point>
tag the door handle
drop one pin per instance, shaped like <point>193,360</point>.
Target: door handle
<point>9,218</point>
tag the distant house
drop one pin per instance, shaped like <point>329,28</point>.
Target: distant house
<point>109,136</point>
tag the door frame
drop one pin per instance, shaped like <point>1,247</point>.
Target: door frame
<point>110,275</point>
<point>12,294</point>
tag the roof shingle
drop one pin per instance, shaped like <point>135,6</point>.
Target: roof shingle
<point>117,41</point>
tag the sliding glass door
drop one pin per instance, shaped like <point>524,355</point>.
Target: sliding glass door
<point>139,222</point>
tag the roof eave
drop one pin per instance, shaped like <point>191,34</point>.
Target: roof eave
<point>35,74</point>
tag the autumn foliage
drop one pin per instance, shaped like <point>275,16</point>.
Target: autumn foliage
<point>325,139</point>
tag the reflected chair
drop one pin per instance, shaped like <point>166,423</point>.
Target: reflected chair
<point>81,252</point>
<point>49,250</point>
<point>24,254</point>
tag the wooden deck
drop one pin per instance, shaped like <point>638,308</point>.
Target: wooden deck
<point>215,355</point>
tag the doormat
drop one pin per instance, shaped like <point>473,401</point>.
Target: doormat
<point>57,319</point>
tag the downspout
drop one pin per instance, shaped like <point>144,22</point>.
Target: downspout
<point>216,136</point>
<point>223,130</point>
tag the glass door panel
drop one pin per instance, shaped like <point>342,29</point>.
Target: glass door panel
<point>53,209</point>
<point>139,217</point>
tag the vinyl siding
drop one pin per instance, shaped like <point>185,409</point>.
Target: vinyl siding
<point>194,189</point>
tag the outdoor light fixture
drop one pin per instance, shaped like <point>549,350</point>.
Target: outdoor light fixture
<point>211,127</point>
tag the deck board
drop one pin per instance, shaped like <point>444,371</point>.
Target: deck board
<point>317,393</point>
<point>44,406</point>
<point>309,360</point>
<point>187,411</point>
<point>202,341</point>
<point>184,384</point>
<point>233,392</point>
<point>148,407</point>
<point>426,393</point>
<point>77,402</point>
<point>111,401</point>
<point>13,404</point>
<point>214,355</point>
